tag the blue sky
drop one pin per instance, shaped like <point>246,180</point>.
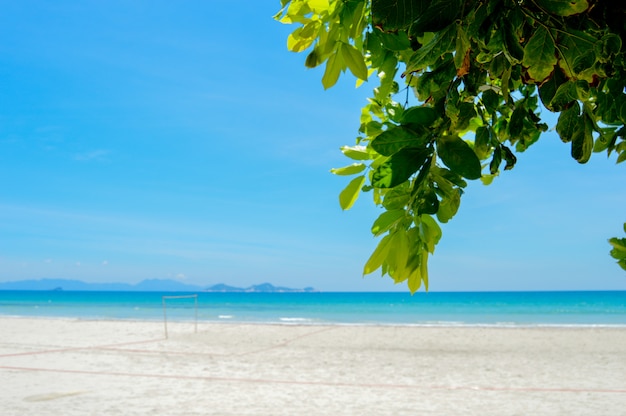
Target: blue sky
<point>181,140</point>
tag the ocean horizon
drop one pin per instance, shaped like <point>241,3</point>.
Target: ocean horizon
<point>541,308</point>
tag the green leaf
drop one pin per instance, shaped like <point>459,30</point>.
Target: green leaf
<point>513,49</point>
<point>398,255</point>
<point>569,123</point>
<point>378,256</point>
<point>435,83</point>
<point>608,108</point>
<point>392,140</point>
<point>494,165</point>
<point>458,156</point>
<point>423,172</point>
<point>509,158</point>
<point>611,44</point>
<point>399,167</point>
<point>334,66</point>
<point>318,6</point>
<point>462,62</point>
<point>421,115</point>
<point>349,195</point>
<point>482,142</point>
<point>397,198</point>
<point>516,124</point>
<point>414,281</point>
<point>424,268</point>
<point>619,245</point>
<point>426,202</point>
<point>506,79</point>
<point>312,59</point>
<point>449,177</point>
<point>356,152</point>
<point>357,18</point>
<point>450,195</point>
<point>618,251</point>
<point>438,15</point>
<point>442,43</point>
<point>498,65</point>
<point>349,170</point>
<point>394,41</point>
<point>491,101</point>
<point>584,61</point>
<point>607,138</point>
<point>467,111</point>
<point>539,55</point>
<point>392,15</point>
<point>582,141</point>
<point>548,89</point>
<point>565,95</point>
<point>430,232</point>
<point>572,45</point>
<point>297,44</point>
<point>354,60</point>
<point>622,111</point>
<point>415,261</point>
<point>449,206</point>
<point>386,220</point>
<point>564,7</point>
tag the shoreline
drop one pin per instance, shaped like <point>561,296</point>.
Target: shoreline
<point>75,367</point>
<point>503,325</point>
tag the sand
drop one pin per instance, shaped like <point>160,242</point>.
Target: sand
<point>78,367</point>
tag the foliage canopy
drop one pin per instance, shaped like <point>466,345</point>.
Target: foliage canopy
<point>478,72</point>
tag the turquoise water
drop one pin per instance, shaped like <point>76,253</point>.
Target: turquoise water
<point>469,308</point>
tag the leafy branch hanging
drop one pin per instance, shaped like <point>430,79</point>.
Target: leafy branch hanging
<point>479,72</point>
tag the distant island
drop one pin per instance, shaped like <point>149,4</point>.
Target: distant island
<point>150,285</point>
<point>263,288</point>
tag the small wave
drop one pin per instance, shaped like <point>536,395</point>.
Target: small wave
<point>225,316</point>
<point>295,320</point>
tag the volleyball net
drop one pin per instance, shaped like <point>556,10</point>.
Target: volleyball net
<point>178,303</point>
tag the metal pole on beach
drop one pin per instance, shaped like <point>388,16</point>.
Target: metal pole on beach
<point>196,301</point>
<point>164,316</point>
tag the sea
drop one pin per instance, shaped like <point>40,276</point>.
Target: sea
<point>579,308</point>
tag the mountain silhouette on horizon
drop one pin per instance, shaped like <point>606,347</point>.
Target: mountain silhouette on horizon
<point>148,285</point>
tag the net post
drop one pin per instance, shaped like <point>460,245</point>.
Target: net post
<point>196,307</point>
<point>164,301</point>
<point>164,316</point>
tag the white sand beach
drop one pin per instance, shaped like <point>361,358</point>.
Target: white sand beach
<point>79,367</point>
